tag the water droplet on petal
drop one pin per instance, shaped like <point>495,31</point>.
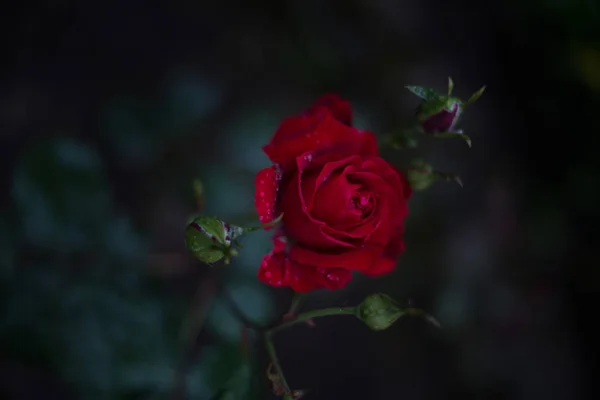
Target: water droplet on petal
<point>262,194</point>
<point>332,277</point>
<point>268,274</point>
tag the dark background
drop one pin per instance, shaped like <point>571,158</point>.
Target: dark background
<point>110,109</point>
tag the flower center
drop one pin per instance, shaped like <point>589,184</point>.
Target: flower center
<point>362,204</point>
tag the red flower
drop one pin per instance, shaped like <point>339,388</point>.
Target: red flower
<point>343,206</point>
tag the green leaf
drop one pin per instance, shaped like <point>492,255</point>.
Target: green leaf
<point>453,135</point>
<point>426,94</point>
<point>450,86</point>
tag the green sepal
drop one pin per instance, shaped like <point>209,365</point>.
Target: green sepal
<point>432,107</point>
<point>209,239</point>
<point>426,94</point>
<point>422,175</point>
<point>264,226</point>
<point>475,96</point>
<point>450,86</point>
<point>379,311</point>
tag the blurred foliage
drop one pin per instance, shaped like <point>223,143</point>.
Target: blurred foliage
<point>79,302</point>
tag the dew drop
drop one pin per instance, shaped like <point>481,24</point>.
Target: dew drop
<point>268,274</point>
<point>262,194</point>
<point>332,277</point>
<point>262,182</point>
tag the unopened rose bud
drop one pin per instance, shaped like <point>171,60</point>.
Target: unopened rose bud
<point>209,239</point>
<point>439,115</point>
<point>379,311</point>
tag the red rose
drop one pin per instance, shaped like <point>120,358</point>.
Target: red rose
<point>343,206</point>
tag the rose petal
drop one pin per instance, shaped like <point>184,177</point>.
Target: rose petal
<point>265,197</point>
<point>275,267</point>
<point>383,266</point>
<point>368,145</point>
<point>337,106</point>
<point>278,270</point>
<point>306,278</point>
<point>361,259</point>
<point>312,133</point>
<point>389,259</point>
<point>391,174</point>
<point>331,201</point>
<point>299,224</point>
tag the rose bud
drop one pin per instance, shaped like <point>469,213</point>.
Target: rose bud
<point>439,115</point>
<point>379,311</point>
<point>209,239</point>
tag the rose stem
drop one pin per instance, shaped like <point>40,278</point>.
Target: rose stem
<point>300,318</point>
<point>295,303</point>
<point>314,314</point>
<point>273,355</point>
